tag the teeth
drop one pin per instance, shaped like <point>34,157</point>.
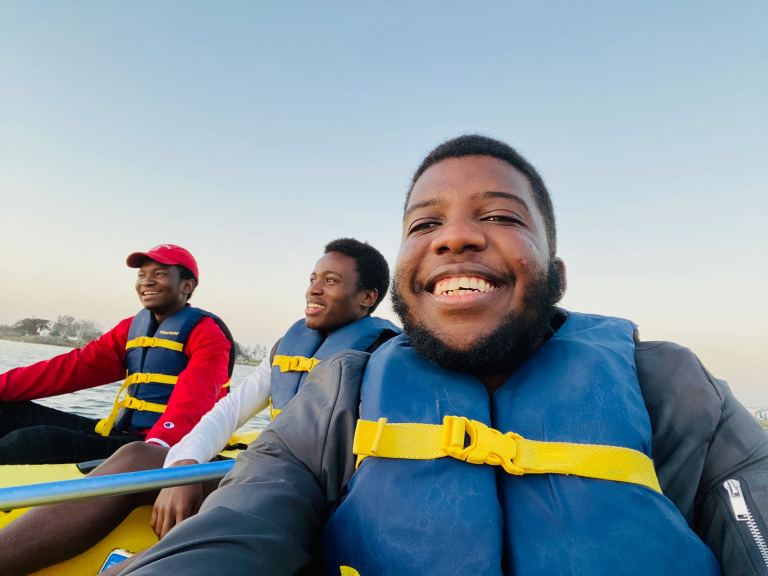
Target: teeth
<point>149,293</point>
<point>313,305</point>
<point>462,285</point>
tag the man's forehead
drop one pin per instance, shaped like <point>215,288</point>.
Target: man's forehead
<point>335,263</point>
<point>470,175</point>
<point>438,199</point>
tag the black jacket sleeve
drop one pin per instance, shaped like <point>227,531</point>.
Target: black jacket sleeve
<point>704,438</point>
<point>267,514</point>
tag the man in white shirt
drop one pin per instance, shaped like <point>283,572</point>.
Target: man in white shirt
<point>347,284</point>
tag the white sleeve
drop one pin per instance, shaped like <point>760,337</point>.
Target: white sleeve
<point>210,435</point>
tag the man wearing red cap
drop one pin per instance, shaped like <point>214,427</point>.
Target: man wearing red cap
<point>176,361</point>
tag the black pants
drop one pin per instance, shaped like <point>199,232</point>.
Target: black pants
<point>34,434</point>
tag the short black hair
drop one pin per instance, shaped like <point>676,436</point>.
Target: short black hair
<point>372,267</point>
<point>185,273</point>
<point>477,145</point>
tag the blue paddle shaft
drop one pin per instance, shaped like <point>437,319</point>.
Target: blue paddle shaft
<point>80,489</point>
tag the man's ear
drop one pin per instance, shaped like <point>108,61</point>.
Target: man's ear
<point>368,298</point>
<point>188,286</point>
<point>561,279</point>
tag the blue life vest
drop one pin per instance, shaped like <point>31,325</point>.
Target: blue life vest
<point>302,348</point>
<point>446,516</point>
<point>155,358</point>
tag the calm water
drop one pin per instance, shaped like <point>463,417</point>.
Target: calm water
<point>93,402</point>
<point>97,402</point>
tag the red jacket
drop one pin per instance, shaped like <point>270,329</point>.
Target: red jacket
<point>103,361</point>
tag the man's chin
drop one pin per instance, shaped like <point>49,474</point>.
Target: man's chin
<point>455,342</point>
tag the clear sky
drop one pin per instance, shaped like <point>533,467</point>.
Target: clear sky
<point>253,133</point>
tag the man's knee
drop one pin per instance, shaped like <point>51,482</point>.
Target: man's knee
<point>133,456</point>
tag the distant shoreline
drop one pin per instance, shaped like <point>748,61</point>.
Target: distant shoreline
<point>64,343</point>
<point>49,340</point>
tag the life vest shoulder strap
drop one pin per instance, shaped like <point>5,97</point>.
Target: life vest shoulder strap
<point>294,363</point>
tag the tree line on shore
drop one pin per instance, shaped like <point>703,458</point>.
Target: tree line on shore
<point>70,331</point>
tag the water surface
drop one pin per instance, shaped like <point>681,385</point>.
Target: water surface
<point>92,402</point>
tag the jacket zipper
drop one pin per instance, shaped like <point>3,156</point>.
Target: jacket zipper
<point>742,513</point>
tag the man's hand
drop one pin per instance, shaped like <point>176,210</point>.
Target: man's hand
<point>176,503</point>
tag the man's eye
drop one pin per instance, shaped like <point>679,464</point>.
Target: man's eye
<point>331,281</point>
<point>503,219</point>
<point>422,225</point>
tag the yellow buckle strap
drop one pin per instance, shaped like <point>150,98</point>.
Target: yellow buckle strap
<point>294,363</point>
<point>142,405</point>
<point>152,342</point>
<point>486,445</point>
<point>104,426</point>
<point>146,377</point>
<point>515,454</point>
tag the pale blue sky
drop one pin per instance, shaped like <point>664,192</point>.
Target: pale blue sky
<point>253,133</point>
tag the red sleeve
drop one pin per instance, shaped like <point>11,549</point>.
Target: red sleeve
<point>99,362</point>
<point>199,386</point>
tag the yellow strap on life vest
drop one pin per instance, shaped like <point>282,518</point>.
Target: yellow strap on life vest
<point>152,342</point>
<point>142,405</point>
<point>294,363</point>
<point>290,364</point>
<point>512,452</point>
<point>145,377</point>
<point>273,412</point>
<point>104,426</point>
<point>348,571</point>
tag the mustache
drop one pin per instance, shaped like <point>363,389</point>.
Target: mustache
<point>501,350</point>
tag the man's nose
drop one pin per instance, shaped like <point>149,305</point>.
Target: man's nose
<point>459,235</point>
<point>315,287</point>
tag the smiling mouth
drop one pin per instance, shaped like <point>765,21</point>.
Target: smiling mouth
<point>150,293</point>
<point>315,306</point>
<point>462,286</point>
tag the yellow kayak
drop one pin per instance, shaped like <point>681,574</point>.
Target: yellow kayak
<point>134,534</point>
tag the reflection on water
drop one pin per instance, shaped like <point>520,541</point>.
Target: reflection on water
<point>93,402</point>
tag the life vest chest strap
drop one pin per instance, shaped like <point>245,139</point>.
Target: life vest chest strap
<point>476,443</point>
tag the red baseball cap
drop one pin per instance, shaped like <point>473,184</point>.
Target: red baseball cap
<point>168,254</point>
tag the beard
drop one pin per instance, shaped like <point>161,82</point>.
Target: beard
<point>502,350</point>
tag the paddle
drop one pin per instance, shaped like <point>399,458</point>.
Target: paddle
<point>80,489</point>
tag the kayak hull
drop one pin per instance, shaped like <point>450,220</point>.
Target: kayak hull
<point>134,534</point>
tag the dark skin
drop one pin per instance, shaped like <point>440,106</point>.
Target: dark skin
<point>161,289</point>
<point>333,296</point>
<point>163,292</point>
<point>473,240</point>
<point>334,299</point>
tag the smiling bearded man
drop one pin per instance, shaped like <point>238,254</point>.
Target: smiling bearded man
<point>505,347</point>
<point>500,434</point>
